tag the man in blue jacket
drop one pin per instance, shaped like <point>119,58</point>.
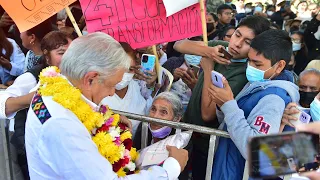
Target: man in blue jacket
<point>258,108</point>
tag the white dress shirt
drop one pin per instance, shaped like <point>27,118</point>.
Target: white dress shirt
<point>62,148</point>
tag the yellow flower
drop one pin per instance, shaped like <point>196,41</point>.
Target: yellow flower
<point>116,119</point>
<point>125,135</point>
<point>121,172</point>
<point>133,154</point>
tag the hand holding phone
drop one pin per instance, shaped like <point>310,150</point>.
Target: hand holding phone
<point>226,54</point>
<point>195,70</point>
<point>303,117</point>
<point>281,154</point>
<point>148,62</point>
<point>217,79</point>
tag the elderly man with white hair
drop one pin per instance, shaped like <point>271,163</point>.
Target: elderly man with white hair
<point>58,140</point>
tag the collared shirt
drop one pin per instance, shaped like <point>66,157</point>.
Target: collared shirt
<point>60,147</point>
<point>17,62</point>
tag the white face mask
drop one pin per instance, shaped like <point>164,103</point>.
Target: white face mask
<point>269,13</point>
<point>296,46</point>
<point>127,77</point>
<point>248,10</point>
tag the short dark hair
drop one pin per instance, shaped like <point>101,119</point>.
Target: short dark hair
<point>215,17</point>
<point>274,45</point>
<point>54,40</point>
<point>223,7</point>
<point>270,6</point>
<point>258,24</point>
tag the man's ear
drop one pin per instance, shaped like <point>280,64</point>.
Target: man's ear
<point>281,65</point>
<point>89,79</point>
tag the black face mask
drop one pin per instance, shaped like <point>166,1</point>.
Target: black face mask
<point>210,27</point>
<point>306,98</point>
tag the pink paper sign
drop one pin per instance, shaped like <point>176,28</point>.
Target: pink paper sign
<point>141,23</point>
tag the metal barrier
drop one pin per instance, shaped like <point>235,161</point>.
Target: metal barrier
<point>179,125</point>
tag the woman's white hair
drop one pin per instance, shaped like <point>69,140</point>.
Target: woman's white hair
<point>95,52</point>
<point>175,102</point>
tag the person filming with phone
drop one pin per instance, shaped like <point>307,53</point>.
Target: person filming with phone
<point>309,88</point>
<point>258,108</point>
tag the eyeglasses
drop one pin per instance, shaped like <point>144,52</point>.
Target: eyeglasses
<point>229,13</point>
<point>296,40</point>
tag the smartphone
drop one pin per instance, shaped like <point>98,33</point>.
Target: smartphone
<point>217,79</point>
<point>302,116</point>
<point>275,155</point>
<point>227,55</point>
<point>77,14</point>
<point>195,69</point>
<point>148,62</point>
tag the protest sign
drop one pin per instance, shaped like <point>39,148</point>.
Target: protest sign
<point>175,6</point>
<point>141,22</point>
<point>28,13</point>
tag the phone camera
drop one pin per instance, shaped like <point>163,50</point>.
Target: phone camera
<point>145,59</point>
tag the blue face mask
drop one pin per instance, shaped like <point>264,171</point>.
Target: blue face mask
<point>229,3</point>
<point>315,109</point>
<point>258,9</point>
<point>192,59</point>
<point>255,75</point>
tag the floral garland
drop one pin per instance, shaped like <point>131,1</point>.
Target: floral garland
<point>111,137</point>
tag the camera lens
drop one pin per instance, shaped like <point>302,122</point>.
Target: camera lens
<point>145,59</point>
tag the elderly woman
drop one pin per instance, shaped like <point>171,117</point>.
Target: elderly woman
<point>59,144</point>
<point>17,96</point>
<point>165,106</point>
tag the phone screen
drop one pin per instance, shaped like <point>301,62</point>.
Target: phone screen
<point>282,154</point>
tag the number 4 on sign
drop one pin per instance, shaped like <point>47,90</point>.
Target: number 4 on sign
<point>103,9</point>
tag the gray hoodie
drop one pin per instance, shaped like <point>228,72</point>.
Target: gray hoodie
<point>268,112</point>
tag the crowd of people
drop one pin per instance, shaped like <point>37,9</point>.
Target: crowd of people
<point>272,74</point>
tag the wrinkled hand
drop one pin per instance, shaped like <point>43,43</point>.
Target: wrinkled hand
<point>181,155</point>
<point>189,78</point>
<point>150,78</point>
<point>289,113</point>
<point>6,20</point>
<point>214,54</point>
<point>221,95</point>
<point>178,73</point>
<point>124,120</point>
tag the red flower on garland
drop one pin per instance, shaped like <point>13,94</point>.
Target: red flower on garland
<point>122,126</point>
<point>121,163</point>
<point>128,144</point>
<point>117,165</point>
<point>103,128</point>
